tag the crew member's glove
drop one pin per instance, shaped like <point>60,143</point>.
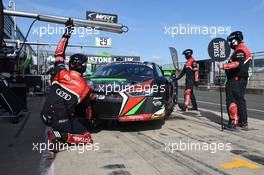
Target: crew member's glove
<point>196,83</point>
<point>69,27</point>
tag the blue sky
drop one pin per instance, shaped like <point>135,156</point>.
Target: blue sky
<point>146,21</point>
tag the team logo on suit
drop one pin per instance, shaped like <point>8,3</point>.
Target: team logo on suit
<point>63,94</point>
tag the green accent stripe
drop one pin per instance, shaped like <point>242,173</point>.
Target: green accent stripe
<point>104,54</point>
<point>135,108</point>
<point>167,73</point>
<point>168,69</point>
<point>108,79</point>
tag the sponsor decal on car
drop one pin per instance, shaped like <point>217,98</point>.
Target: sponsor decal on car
<point>135,117</point>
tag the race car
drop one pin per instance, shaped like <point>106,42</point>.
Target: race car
<point>131,91</point>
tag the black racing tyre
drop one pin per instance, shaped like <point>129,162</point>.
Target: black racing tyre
<point>157,124</point>
<point>168,112</point>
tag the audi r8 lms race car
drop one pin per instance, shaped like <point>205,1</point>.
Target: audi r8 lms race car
<point>132,91</point>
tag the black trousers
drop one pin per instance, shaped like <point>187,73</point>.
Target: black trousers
<point>235,93</point>
<point>242,111</point>
<point>62,120</point>
<point>66,123</point>
<point>193,99</point>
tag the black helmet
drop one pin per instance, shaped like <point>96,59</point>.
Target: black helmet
<point>188,53</point>
<point>235,38</point>
<point>78,62</point>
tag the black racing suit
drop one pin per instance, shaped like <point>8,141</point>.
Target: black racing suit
<point>237,77</point>
<point>68,89</point>
<point>192,78</point>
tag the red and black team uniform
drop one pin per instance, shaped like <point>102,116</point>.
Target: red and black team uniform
<point>236,70</point>
<point>68,89</point>
<point>192,77</point>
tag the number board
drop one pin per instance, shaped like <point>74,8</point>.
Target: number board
<point>103,42</point>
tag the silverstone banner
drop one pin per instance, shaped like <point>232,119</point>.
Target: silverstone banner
<point>95,59</point>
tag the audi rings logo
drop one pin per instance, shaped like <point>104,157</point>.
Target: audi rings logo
<point>63,94</point>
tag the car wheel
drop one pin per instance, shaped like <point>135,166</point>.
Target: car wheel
<point>168,111</point>
<point>157,124</point>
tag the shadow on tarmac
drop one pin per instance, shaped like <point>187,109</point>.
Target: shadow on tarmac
<point>16,150</point>
<point>212,117</point>
<point>126,126</point>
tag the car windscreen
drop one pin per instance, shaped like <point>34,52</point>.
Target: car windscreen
<point>124,70</point>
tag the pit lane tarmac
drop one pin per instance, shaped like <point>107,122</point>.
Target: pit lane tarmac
<point>151,148</point>
<point>142,147</point>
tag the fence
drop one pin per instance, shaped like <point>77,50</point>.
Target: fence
<point>256,71</point>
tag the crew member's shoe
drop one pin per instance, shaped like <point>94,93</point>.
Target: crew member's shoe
<point>193,109</point>
<point>231,127</point>
<point>182,107</point>
<point>53,141</point>
<point>243,126</point>
<point>84,138</point>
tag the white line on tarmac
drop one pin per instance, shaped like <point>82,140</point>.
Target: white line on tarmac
<point>216,104</point>
<point>52,169</point>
